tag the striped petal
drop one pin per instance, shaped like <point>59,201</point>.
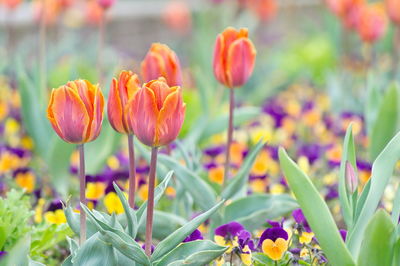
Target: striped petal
<point>96,123</point>
<point>115,109</point>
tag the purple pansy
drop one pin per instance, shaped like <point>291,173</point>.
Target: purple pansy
<point>231,229</point>
<point>301,219</point>
<point>195,235</point>
<point>343,234</point>
<point>273,233</point>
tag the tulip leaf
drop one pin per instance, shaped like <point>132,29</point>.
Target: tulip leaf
<point>349,154</point>
<point>73,220</point>
<point>316,212</point>
<point>379,239</point>
<point>164,224</point>
<point>199,252</point>
<point>129,212</point>
<point>382,170</point>
<point>396,207</point>
<point>386,122</point>
<point>238,182</point>
<point>95,252</point>
<point>253,210</point>
<point>179,235</point>
<point>158,192</point>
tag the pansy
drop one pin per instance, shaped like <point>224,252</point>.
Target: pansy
<point>25,179</point>
<point>113,203</point>
<point>274,241</point>
<point>195,235</point>
<point>55,213</point>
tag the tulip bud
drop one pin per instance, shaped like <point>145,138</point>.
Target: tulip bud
<point>351,178</point>
<point>156,113</point>
<point>373,22</point>
<point>393,10</point>
<point>75,111</point>
<point>161,61</point>
<point>122,90</point>
<point>234,57</point>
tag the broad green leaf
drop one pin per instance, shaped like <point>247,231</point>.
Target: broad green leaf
<point>261,259</point>
<point>179,235</point>
<point>379,239</point>
<point>396,207</point>
<point>98,151</point>
<point>129,212</point>
<point>18,255</point>
<point>95,252</point>
<point>382,170</point>
<point>238,182</point>
<point>349,154</point>
<point>253,210</point>
<point>385,125</point>
<point>73,220</point>
<point>200,252</point>
<point>316,212</point>
<point>396,253</point>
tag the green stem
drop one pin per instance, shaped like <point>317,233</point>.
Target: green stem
<point>82,188</point>
<point>132,172</point>
<point>229,135</point>
<point>150,201</point>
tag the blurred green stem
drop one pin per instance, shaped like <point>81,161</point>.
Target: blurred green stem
<point>396,49</point>
<point>230,134</point>
<point>100,49</point>
<point>82,188</point>
<point>42,52</point>
<point>132,172</point>
<point>150,201</point>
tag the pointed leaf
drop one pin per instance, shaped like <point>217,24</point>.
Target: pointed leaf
<point>129,212</point>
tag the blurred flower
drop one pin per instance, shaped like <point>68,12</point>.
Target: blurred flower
<point>274,242</point>
<point>95,190</point>
<point>195,235</point>
<point>306,237</point>
<point>157,113</point>
<point>55,217</point>
<point>234,57</point>
<point>264,9</point>
<point>161,61</point>
<point>177,16</point>
<point>393,10</point>
<point>113,203</point>
<point>75,111</point>
<point>343,234</point>
<point>105,4</point>
<point>121,92</point>
<point>301,220</point>
<point>373,22</point>
<point>228,235</point>
<point>11,4</point>
<point>48,10</point>
<point>216,175</point>
<point>94,12</point>
<point>351,178</point>
<point>25,179</point>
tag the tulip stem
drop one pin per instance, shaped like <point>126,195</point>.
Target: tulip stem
<point>230,134</point>
<point>132,172</point>
<point>150,201</point>
<point>42,51</point>
<point>82,188</point>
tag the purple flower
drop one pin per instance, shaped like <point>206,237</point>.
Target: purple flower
<point>195,235</point>
<point>301,219</point>
<point>311,151</point>
<point>273,233</point>
<point>244,239</point>
<point>231,229</point>
<point>2,254</point>
<point>55,205</point>
<point>275,110</point>
<point>343,234</point>
<point>332,193</point>
<point>152,248</point>
<point>214,151</point>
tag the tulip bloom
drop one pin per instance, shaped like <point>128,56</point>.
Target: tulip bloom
<point>11,4</point>
<point>393,10</point>
<point>234,57</point>
<point>105,4</point>
<point>264,9</point>
<point>122,90</point>
<point>177,16</point>
<point>373,22</point>
<point>75,111</point>
<point>161,61</point>
<point>156,113</point>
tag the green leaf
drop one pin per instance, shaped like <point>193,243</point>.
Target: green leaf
<point>253,210</point>
<point>396,253</point>
<point>349,154</point>
<point>129,212</point>
<point>316,212</point>
<point>239,181</point>
<point>396,207</point>
<point>385,125</point>
<point>100,149</point>
<point>73,220</point>
<point>179,235</point>
<point>382,170</point>
<point>95,252</point>
<point>18,255</point>
<point>377,245</point>
<point>200,252</point>
<point>261,259</point>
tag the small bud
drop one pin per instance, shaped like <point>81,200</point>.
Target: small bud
<point>351,178</point>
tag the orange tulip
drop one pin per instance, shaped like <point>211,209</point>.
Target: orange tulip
<point>11,4</point>
<point>234,57</point>
<point>161,61</point>
<point>75,111</point>
<point>264,9</point>
<point>157,112</point>
<point>177,16</point>
<point>373,22</point>
<point>393,10</point>
<point>122,90</point>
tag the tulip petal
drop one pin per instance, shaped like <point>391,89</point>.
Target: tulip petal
<point>161,90</point>
<point>98,106</point>
<point>240,62</point>
<point>218,60</point>
<point>70,115</point>
<point>152,67</point>
<point>114,108</point>
<point>171,118</point>
<point>50,115</point>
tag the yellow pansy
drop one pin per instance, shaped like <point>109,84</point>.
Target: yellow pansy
<point>306,237</point>
<point>56,217</point>
<point>113,203</point>
<point>245,256</point>
<point>26,180</point>
<point>12,127</point>
<point>275,249</point>
<point>95,190</point>
<point>216,175</point>
<point>38,218</point>
<point>113,162</point>
<point>220,240</point>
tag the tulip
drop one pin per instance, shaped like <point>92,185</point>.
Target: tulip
<point>123,90</point>
<point>351,178</point>
<point>11,4</point>
<point>264,9</point>
<point>373,22</point>
<point>156,113</point>
<point>75,112</point>
<point>105,4</point>
<point>177,16</point>
<point>161,61</point>
<point>234,57</point>
<point>393,10</point>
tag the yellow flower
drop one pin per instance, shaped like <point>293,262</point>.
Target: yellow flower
<point>95,190</point>
<point>220,261</point>
<point>216,175</point>
<point>39,211</point>
<point>220,240</point>
<point>304,164</point>
<point>11,127</point>
<point>56,217</point>
<point>306,237</point>
<point>113,162</point>
<point>27,143</point>
<point>258,185</point>
<point>143,192</point>
<point>170,192</point>
<point>277,189</point>
<point>304,252</point>
<point>113,203</point>
<point>9,161</point>
<point>245,256</point>
<point>3,110</point>
<point>275,249</point>
<point>26,180</point>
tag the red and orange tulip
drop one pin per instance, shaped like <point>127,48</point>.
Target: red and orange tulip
<point>75,111</point>
<point>156,113</point>
<point>161,61</point>
<point>393,10</point>
<point>234,57</point>
<point>122,90</point>
<point>373,22</point>
<point>11,4</point>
